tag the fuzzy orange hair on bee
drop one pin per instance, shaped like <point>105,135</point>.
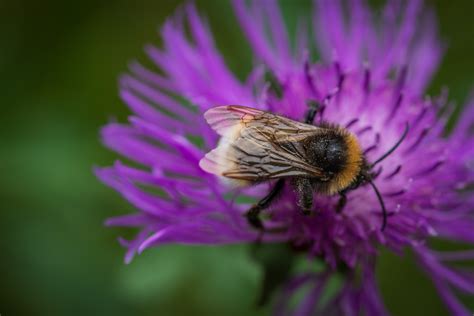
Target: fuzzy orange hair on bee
<point>258,146</point>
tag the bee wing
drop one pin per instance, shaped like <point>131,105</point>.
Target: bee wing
<point>229,119</point>
<point>258,145</point>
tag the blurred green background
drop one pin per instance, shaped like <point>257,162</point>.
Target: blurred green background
<point>59,62</point>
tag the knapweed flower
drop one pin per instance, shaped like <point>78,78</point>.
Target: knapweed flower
<point>370,77</point>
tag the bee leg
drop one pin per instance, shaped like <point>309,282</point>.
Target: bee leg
<point>304,192</point>
<point>305,202</point>
<point>253,217</point>
<point>253,214</point>
<point>314,108</point>
<point>342,202</point>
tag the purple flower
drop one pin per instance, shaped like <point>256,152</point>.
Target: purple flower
<point>376,70</point>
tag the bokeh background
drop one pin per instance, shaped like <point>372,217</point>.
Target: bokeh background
<point>59,63</point>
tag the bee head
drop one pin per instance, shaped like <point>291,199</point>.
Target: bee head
<point>367,173</point>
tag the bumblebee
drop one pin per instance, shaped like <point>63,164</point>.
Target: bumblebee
<point>258,146</point>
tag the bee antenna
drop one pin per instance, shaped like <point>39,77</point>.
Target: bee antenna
<point>382,204</point>
<point>391,150</point>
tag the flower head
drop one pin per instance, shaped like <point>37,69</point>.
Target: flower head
<point>370,79</point>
